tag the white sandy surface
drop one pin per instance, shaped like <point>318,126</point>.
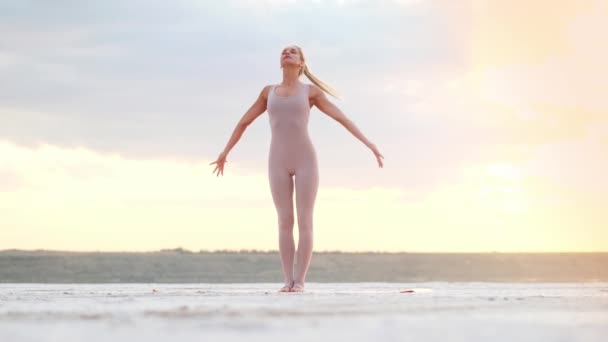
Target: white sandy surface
<point>326,311</point>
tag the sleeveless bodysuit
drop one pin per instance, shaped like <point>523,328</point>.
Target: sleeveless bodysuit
<point>292,154</point>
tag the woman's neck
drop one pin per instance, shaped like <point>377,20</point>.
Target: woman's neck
<point>290,77</point>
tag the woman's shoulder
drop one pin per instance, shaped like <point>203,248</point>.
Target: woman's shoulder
<point>266,90</point>
<point>314,90</point>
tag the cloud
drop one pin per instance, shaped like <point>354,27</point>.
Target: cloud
<point>10,180</point>
<point>83,195</point>
<point>441,87</point>
<point>86,200</point>
<point>506,32</point>
<point>172,81</point>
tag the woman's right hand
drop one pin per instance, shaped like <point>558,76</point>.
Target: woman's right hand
<point>220,164</point>
<point>379,156</point>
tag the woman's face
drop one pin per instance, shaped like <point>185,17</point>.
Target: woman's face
<point>291,56</point>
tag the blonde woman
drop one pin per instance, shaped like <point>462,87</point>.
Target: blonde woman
<point>293,154</point>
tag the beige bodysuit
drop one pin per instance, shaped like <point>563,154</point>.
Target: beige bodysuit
<point>292,154</point>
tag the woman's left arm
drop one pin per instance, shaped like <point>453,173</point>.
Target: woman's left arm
<point>321,101</point>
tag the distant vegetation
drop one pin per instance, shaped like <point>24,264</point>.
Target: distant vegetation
<point>248,266</point>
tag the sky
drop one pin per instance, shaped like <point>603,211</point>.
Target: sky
<point>492,118</point>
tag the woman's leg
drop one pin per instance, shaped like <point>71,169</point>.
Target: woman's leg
<point>307,184</point>
<point>281,187</point>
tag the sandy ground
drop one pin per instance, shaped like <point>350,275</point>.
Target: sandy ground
<point>328,311</point>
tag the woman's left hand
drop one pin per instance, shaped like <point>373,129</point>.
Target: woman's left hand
<point>379,156</point>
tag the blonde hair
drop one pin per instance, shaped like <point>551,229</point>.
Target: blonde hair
<point>304,70</point>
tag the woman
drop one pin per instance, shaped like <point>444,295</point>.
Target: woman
<point>293,154</point>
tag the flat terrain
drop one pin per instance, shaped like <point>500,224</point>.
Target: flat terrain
<point>435,311</point>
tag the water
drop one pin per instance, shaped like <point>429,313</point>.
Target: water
<point>435,311</point>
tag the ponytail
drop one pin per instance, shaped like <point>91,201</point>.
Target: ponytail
<point>326,88</point>
<point>304,70</point>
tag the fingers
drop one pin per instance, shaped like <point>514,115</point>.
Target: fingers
<point>219,167</point>
<point>379,160</point>
<point>379,157</point>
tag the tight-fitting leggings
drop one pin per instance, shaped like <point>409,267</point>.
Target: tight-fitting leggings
<point>292,159</point>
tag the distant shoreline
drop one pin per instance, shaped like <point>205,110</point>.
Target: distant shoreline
<point>183,250</point>
<point>179,265</point>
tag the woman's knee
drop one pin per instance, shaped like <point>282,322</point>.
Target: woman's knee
<point>286,222</point>
<point>305,221</point>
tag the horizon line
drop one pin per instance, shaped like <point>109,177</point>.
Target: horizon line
<point>269,251</point>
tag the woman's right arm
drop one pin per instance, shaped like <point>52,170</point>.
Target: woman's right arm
<point>256,109</point>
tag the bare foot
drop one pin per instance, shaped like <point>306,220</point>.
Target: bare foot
<point>297,287</point>
<point>286,288</point>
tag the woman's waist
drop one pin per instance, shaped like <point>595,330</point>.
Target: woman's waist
<point>292,146</point>
<point>290,139</point>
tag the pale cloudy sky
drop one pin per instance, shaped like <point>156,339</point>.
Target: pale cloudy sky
<point>492,117</point>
